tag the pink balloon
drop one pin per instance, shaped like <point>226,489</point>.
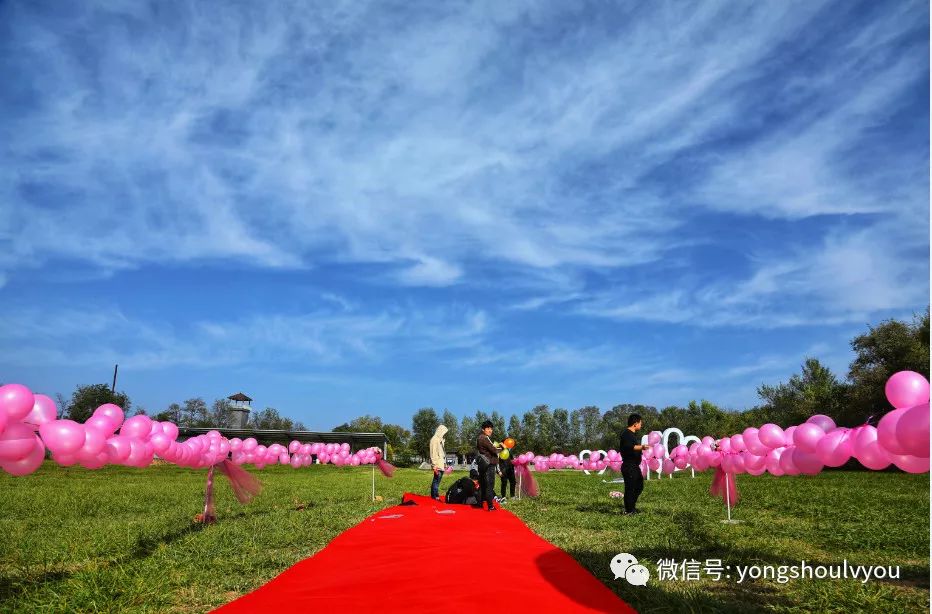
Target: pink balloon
<point>807,436</point>
<point>667,466</point>
<point>789,435</point>
<point>62,436</point>
<point>659,452</point>
<point>111,411</point>
<point>103,424</point>
<point>16,401</point>
<point>753,443</point>
<point>170,429</point>
<point>653,464</point>
<point>647,453</point>
<point>822,421</point>
<point>807,462</point>
<point>724,444</point>
<point>834,450</point>
<point>250,444</point>
<point>680,463</point>
<point>16,442</point>
<point>118,448</point>
<point>65,460</point>
<point>160,442</point>
<point>907,389</point>
<point>323,457</point>
<point>868,450</point>
<point>753,462</point>
<point>708,440</point>
<point>756,470</point>
<point>737,443</point>
<point>138,427</point>
<point>886,431</point>
<point>771,436</point>
<point>714,459</point>
<point>773,462</point>
<point>653,438</point>
<point>911,464</point>
<point>27,464</point>
<point>93,462</point>
<point>43,410</point>
<point>912,431</point>
<point>787,463</point>
<point>94,443</point>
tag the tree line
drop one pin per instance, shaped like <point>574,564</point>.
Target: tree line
<point>881,351</point>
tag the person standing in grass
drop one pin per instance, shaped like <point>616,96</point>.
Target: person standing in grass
<point>507,470</point>
<point>631,464</point>
<point>488,464</point>
<point>438,460</point>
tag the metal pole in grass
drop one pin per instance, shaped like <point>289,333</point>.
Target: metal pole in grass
<point>728,502</point>
<point>373,483</point>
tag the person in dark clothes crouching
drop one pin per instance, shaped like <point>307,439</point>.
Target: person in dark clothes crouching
<point>631,464</point>
<point>488,463</point>
<point>465,491</point>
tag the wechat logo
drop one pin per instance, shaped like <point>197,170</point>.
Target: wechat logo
<point>626,566</point>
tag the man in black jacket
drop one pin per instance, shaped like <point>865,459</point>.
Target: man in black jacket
<point>488,463</point>
<point>465,491</point>
<point>631,464</point>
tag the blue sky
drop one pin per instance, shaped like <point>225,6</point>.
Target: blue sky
<point>366,207</point>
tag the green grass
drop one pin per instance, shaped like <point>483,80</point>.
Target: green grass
<point>122,539</point>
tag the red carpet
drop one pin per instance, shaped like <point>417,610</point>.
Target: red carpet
<point>429,558</point>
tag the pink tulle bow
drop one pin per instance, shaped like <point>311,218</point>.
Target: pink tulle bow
<point>720,482</point>
<point>385,467</point>
<point>245,485</point>
<point>526,479</point>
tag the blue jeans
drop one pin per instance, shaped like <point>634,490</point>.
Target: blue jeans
<point>435,485</point>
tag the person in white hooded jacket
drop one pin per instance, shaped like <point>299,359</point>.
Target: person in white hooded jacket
<point>438,460</point>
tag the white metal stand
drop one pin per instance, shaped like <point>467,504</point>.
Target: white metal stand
<point>728,503</point>
<point>373,483</point>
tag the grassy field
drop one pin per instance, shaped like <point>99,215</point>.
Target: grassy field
<point>122,539</point>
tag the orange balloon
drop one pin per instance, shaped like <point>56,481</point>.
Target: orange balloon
<point>509,443</point>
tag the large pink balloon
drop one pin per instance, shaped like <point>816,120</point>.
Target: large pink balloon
<point>912,431</point>
<point>787,462</point>
<point>807,462</point>
<point>16,401</point>
<point>868,450</point>
<point>753,462</point>
<point>16,442</point>
<point>773,462</point>
<point>653,464</point>
<point>137,427</point>
<point>160,442</point>
<point>886,431</point>
<point>911,464</point>
<point>94,443</point>
<point>43,410</point>
<point>112,412</point>
<point>102,424</point>
<point>834,450</point>
<point>170,429</point>
<point>737,443</point>
<point>771,436</point>
<point>29,463</point>
<point>118,449</point>
<point>753,443</point>
<point>667,466</point>
<point>822,421</point>
<point>62,436</point>
<point>907,389</point>
<point>653,438</point>
<point>807,436</point>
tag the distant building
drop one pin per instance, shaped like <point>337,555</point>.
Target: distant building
<point>240,407</point>
<point>239,410</point>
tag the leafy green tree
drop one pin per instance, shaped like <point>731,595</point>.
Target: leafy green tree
<point>469,432</point>
<point>529,431</point>
<point>85,399</point>
<point>194,413</point>
<point>561,430</point>
<point>452,437</point>
<point>591,425</point>
<point>498,426</point>
<point>815,390</point>
<point>171,414</point>
<point>576,437</point>
<point>885,349</point>
<point>423,425</point>
<point>514,430</point>
<point>545,437</point>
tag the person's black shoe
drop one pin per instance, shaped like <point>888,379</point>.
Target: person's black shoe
<point>492,508</point>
